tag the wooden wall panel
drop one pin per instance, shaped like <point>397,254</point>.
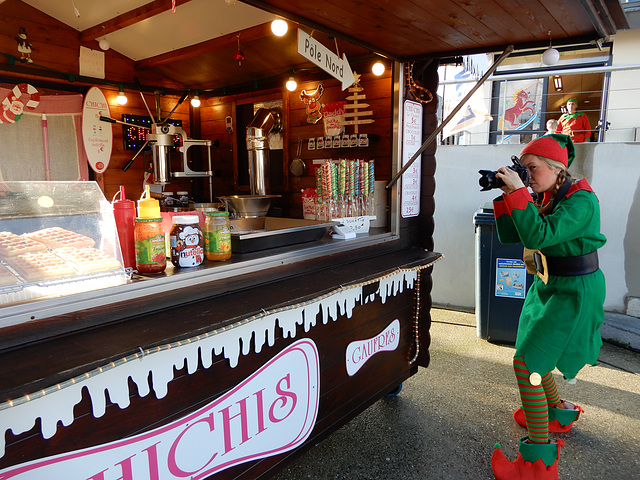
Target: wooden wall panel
<point>56,47</point>
<point>378,91</point>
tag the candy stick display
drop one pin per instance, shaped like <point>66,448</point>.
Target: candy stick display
<point>344,188</point>
<point>372,182</point>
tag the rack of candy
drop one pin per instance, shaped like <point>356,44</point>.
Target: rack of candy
<point>344,188</point>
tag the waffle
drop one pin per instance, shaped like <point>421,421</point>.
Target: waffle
<point>12,245</point>
<point>88,260</point>
<point>6,277</point>
<point>56,237</point>
<point>40,266</point>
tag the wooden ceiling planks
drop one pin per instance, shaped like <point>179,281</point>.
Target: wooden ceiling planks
<point>420,28</point>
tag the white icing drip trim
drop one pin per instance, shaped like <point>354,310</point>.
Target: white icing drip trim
<point>56,403</point>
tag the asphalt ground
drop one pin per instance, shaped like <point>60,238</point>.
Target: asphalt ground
<point>447,418</point>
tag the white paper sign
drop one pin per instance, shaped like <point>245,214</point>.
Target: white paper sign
<point>91,63</point>
<point>97,136</point>
<point>411,142</point>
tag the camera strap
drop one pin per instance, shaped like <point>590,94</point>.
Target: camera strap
<point>560,194</point>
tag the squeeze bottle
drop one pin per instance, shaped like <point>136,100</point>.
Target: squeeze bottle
<point>124,212</point>
<point>148,207</point>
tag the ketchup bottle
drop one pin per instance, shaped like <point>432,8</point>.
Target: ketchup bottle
<point>125,212</point>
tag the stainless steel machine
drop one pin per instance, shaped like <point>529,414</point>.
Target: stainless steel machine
<point>265,121</point>
<point>161,139</point>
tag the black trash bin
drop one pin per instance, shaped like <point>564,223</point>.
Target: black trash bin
<point>502,281</point>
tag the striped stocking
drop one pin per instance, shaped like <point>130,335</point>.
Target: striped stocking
<point>550,390</point>
<point>534,403</point>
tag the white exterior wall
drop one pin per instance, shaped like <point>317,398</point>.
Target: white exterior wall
<point>624,91</point>
<point>612,169</point>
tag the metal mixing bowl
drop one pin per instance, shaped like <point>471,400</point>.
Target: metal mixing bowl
<point>248,206</point>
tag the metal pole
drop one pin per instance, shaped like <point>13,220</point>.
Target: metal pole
<point>496,64</point>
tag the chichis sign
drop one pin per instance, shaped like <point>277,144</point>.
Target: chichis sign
<point>271,412</point>
<point>96,135</point>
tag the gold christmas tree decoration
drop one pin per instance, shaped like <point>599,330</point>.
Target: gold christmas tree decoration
<point>353,107</point>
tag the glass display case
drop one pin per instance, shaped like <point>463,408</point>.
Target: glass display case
<point>56,239</point>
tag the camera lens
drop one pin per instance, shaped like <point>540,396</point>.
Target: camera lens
<point>488,180</point>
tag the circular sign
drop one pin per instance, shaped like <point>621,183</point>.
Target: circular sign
<point>96,134</point>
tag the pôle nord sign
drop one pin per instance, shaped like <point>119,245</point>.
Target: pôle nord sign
<point>314,51</point>
<point>270,412</point>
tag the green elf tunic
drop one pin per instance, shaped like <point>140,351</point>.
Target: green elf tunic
<point>560,321</point>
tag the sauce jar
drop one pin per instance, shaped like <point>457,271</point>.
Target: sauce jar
<point>187,243</point>
<point>217,236</point>
<point>150,245</point>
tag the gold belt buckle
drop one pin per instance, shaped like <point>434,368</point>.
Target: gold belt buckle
<point>544,275</point>
<point>529,262</point>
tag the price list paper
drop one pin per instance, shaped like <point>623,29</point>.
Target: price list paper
<point>411,142</point>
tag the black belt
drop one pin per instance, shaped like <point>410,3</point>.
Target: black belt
<point>566,266</point>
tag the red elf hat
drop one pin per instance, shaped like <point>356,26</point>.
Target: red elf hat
<point>557,146</point>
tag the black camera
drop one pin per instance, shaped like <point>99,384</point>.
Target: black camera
<point>488,179</point>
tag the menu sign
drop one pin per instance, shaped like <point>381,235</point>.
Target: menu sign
<point>96,135</point>
<point>411,142</point>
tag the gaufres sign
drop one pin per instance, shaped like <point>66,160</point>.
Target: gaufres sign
<point>271,412</point>
<point>359,352</point>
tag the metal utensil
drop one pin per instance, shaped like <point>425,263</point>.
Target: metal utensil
<point>298,166</point>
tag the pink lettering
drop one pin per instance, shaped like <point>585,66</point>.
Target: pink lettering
<point>152,454</point>
<point>127,470</point>
<point>226,420</point>
<point>283,398</point>
<point>171,459</point>
<point>260,411</point>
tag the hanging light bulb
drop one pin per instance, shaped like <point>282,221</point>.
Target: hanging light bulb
<point>378,68</point>
<point>121,98</point>
<point>195,101</point>
<point>279,27</point>
<point>291,84</point>
<point>103,42</point>
<point>550,56</point>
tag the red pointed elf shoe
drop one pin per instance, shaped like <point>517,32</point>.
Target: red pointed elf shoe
<point>535,461</point>
<point>560,419</point>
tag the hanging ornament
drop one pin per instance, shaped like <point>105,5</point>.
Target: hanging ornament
<point>238,56</point>
<point>13,105</point>
<point>24,47</point>
<point>314,107</point>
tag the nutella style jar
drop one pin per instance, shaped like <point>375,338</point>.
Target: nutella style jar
<point>187,243</point>
<point>217,241</point>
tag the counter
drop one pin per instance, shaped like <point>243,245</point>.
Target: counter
<point>221,371</point>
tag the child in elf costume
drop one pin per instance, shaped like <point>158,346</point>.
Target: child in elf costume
<point>560,322</point>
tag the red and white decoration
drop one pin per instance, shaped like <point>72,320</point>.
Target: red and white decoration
<point>21,96</point>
